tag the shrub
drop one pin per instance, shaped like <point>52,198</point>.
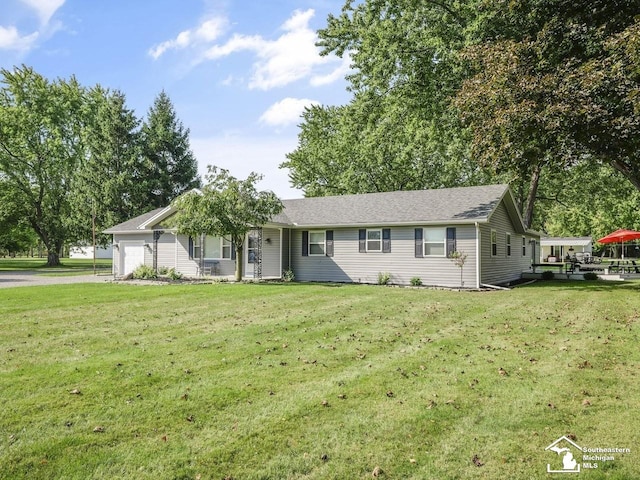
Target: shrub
<point>144,272</point>
<point>173,275</point>
<point>288,275</point>
<point>416,282</point>
<point>163,270</point>
<point>547,275</point>
<point>384,278</point>
<point>591,276</point>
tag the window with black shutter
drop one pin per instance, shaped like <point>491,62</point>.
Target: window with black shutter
<point>329,243</point>
<point>386,240</point>
<point>419,248</point>
<point>451,241</point>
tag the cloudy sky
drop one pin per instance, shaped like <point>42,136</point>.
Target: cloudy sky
<point>239,72</point>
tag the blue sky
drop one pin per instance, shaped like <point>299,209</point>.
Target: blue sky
<point>239,73</point>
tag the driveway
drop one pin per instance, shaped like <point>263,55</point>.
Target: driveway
<point>28,278</point>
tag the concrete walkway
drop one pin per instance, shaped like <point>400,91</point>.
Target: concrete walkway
<point>31,278</point>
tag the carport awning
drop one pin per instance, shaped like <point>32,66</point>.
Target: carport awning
<point>566,241</point>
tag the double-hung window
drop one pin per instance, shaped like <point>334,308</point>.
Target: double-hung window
<point>317,243</point>
<point>508,243</point>
<point>217,248</point>
<point>435,242</point>
<point>524,246</point>
<point>374,240</point>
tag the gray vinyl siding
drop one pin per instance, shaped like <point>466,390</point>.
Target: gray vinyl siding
<point>184,264</point>
<point>502,268</point>
<point>166,250</point>
<point>141,239</point>
<point>349,265</point>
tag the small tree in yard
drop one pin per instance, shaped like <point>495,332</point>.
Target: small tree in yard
<point>226,207</point>
<point>458,258</point>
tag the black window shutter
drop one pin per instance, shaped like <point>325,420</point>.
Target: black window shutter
<point>386,240</point>
<point>451,240</point>
<point>329,239</point>
<point>233,251</point>
<point>190,248</point>
<point>419,246</point>
<point>305,243</point>
<point>362,237</point>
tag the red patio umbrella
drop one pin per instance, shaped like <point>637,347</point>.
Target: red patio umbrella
<point>622,235</point>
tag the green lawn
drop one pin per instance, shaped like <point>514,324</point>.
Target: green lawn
<point>300,381</point>
<point>69,266</point>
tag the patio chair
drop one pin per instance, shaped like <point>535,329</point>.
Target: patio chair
<point>636,268</point>
<point>614,267</point>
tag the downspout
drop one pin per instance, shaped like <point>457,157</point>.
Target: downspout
<point>478,255</point>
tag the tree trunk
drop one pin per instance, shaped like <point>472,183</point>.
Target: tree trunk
<point>531,197</point>
<point>239,262</point>
<point>53,258</point>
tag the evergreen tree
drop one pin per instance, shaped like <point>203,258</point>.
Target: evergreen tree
<point>109,183</point>
<point>171,166</point>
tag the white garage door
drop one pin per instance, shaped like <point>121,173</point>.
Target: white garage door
<point>132,258</point>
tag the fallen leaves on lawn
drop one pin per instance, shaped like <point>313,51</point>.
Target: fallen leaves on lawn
<point>476,461</point>
<point>98,429</point>
<point>376,472</point>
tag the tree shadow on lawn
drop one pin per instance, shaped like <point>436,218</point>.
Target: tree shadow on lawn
<point>586,285</point>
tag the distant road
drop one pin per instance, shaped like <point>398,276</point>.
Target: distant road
<point>31,278</point>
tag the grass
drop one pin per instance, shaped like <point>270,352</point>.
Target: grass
<point>69,266</point>
<point>301,381</point>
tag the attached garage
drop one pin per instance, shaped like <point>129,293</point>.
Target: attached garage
<point>131,257</point>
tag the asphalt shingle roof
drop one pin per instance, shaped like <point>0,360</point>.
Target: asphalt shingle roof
<point>461,204</point>
<point>134,223</point>
<point>404,207</point>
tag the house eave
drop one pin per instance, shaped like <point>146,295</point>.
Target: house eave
<point>450,221</point>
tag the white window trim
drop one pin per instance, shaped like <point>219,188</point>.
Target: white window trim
<point>443,243</point>
<point>221,240</point>
<point>507,243</point>
<point>369,250</point>
<point>491,236</point>
<point>323,243</point>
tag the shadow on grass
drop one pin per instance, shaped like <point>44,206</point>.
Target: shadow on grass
<point>585,286</point>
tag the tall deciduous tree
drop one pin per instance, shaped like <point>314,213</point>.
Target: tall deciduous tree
<point>40,150</point>
<point>108,184</point>
<point>171,167</point>
<point>549,87</point>
<point>539,86</point>
<point>226,207</point>
<point>397,133</point>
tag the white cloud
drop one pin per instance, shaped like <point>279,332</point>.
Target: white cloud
<point>286,111</point>
<point>10,39</point>
<point>45,9</point>
<point>207,32</point>
<point>337,74</point>
<point>242,154</point>
<point>290,57</point>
